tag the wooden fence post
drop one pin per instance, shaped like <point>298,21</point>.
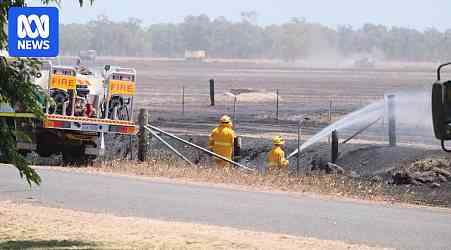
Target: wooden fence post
<point>143,135</point>
<point>392,120</point>
<point>334,147</point>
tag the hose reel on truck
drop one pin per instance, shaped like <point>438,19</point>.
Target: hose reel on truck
<point>120,89</point>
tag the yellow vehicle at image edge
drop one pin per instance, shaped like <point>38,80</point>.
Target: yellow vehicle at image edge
<point>84,106</point>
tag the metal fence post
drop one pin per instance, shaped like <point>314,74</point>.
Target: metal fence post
<point>234,108</point>
<point>298,159</point>
<point>330,109</point>
<point>212,92</point>
<point>183,100</point>
<point>277,104</point>
<point>143,135</point>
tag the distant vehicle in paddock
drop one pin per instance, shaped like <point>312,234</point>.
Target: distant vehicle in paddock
<point>195,55</point>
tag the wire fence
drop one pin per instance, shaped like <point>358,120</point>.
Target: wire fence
<point>263,111</point>
<point>278,104</point>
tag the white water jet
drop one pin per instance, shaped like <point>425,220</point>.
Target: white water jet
<point>413,114</point>
<point>365,115</point>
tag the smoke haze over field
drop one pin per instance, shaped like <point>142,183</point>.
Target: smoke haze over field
<point>294,40</point>
<point>418,14</point>
<point>337,32</point>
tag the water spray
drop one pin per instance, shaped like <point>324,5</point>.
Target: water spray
<point>361,116</point>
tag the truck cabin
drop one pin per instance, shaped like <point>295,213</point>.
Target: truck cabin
<point>88,57</point>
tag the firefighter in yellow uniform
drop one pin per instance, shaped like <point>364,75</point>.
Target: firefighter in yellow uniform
<point>276,157</point>
<point>221,140</point>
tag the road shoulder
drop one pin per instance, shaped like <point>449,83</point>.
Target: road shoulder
<point>31,226</point>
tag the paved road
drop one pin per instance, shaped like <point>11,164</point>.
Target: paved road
<point>376,225</point>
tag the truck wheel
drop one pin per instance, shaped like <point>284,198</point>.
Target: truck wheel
<point>48,144</point>
<point>75,156</point>
<point>72,155</point>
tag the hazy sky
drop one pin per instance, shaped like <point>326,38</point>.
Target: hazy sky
<point>418,14</point>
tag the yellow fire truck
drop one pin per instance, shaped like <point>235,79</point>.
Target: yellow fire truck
<point>84,106</point>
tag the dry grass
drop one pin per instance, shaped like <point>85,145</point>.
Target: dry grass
<point>33,227</point>
<point>317,183</point>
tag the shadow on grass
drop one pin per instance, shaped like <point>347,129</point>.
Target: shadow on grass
<point>46,244</point>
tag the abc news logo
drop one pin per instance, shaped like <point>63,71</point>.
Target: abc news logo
<point>33,32</point>
<point>24,30</point>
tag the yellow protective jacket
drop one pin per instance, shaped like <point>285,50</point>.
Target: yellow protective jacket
<point>276,157</point>
<point>221,140</point>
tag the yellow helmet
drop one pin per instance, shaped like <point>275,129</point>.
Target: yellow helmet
<point>225,119</point>
<point>278,140</point>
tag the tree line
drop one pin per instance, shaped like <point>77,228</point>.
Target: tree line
<point>221,38</point>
